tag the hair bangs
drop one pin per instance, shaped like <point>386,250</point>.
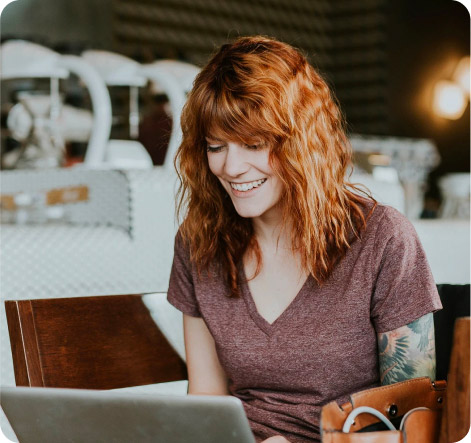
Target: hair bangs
<point>227,116</point>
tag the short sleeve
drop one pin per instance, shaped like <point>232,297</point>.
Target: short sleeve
<point>404,288</point>
<point>181,293</point>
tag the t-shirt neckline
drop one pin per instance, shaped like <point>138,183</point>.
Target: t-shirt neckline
<point>258,319</point>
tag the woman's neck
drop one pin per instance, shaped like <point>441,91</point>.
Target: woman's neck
<point>271,234</point>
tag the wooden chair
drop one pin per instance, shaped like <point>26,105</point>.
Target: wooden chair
<point>102,342</point>
<point>456,409</point>
<point>456,303</point>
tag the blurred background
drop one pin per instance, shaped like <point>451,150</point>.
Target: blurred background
<point>395,67</point>
<point>392,64</point>
<point>91,95</point>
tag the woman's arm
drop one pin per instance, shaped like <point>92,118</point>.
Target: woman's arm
<point>407,352</point>
<point>205,374</point>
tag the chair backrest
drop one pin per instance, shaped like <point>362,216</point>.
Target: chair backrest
<point>456,303</point>
<point>456,419</point>
<point>101,342</point>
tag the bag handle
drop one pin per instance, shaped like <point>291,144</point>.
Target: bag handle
<point>365,410</point>
<point>403,396</point>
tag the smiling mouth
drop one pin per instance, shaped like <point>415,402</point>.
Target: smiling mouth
<point>244,187</point>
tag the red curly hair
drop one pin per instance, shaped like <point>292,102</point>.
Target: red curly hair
<point>259,88</point>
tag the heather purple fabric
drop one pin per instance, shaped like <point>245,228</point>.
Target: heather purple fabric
<point>323,346</point>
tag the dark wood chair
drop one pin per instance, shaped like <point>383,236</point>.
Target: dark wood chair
<point>456,409</point>
<point>456,303</point>
<point>102,342</point>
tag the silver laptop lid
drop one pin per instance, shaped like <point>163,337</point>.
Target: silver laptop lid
<point>53,415</point>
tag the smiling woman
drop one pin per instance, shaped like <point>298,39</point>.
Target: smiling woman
<point>297,288</point>
<point>246,174</point>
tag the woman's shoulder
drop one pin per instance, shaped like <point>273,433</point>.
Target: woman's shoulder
<point>182,247</point>
<point>179,237</point>
<point>384,214</point>
<point>386,221</point>
<point>185,254</point>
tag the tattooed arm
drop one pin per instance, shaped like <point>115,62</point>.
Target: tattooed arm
<point>407,352</point>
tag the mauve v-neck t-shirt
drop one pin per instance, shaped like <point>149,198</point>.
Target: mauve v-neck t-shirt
<point>323,347</point>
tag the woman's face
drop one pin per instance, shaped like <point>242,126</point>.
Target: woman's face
<point>247,176</point>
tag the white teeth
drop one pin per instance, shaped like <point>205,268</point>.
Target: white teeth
<point>247,186</point>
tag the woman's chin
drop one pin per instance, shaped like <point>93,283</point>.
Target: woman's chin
<point>248,212</point>
<point>254,210</point>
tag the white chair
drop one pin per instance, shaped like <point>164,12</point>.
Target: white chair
<point>22,59</point>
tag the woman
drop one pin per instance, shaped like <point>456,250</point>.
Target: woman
<point>296,288</point>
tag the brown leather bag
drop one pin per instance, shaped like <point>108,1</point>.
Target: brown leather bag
<point>416,403</point>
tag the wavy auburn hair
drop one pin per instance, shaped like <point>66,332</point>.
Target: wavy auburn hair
<point>259,88</point>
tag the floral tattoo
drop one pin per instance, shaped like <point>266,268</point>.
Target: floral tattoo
<point>407,352</point>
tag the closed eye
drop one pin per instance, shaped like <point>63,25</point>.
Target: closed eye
<point>254,147</point>
<point>214,148</point>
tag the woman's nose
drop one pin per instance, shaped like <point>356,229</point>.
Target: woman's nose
<point>235,163</point>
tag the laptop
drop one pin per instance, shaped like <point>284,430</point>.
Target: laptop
<point>56,415</point>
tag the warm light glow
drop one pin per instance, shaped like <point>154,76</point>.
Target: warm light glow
<point>379,159</point>
<point>461,75</point>
<point>449,100</point>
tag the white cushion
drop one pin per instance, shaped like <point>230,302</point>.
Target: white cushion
<point>168,319</point>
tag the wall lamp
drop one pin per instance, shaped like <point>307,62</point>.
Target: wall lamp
<point>451,97</point>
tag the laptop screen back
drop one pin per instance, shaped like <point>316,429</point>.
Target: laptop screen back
<point>55,415</point>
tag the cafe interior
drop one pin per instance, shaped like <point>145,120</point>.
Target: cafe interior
<point>91,97</point>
